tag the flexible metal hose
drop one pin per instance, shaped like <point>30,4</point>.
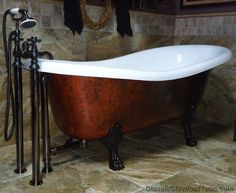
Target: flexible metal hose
<point>9,95</point>
<point>10,98</point>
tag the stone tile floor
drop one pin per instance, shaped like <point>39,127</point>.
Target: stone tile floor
<point>156,159</point>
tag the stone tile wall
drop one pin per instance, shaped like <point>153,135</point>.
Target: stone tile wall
<point>206,26</point>
<point>49,14</point>
<point>150,30</point>
<point>218,104</point>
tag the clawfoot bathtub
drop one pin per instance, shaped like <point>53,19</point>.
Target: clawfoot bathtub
<point>104,99</point>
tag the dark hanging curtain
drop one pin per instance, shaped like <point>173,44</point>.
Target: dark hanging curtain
<point>74,20</point>
<point>73,16</point>
<point>123,18</point>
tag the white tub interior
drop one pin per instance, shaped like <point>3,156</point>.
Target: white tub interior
<point>158,64</point>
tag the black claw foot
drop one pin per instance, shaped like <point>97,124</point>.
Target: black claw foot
<point>111,141</point>
<point>191,141</point>
<point>115,163</point>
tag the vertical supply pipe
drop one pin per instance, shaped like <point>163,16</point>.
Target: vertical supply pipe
<point>18,102</point>
<point>35,115</point>
<point>45,126</point>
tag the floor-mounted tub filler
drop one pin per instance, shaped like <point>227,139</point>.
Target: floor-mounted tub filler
<point>104,99</point>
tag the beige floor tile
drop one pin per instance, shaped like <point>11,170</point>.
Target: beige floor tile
<point>220,132</point>
<point>155,157</point>
<point>198,179</point>
<point>225,163</point>
<point>216,131</point>
<point>8,162</point>
<point>145,165</point>
<point>78,177</point>
<point>174,143</point>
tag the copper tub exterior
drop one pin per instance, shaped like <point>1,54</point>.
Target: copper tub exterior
<point>86,107</point>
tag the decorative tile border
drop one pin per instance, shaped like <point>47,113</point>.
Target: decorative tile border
<point>49,14</point>
<point>206,26</point>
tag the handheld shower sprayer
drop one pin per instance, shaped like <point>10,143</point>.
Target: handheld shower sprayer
<point>26,21</point>
<point>21,19</point>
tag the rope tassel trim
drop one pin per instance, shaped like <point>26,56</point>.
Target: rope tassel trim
<point>103,21</point>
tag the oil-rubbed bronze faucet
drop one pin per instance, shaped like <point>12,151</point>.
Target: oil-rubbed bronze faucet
<point>15,95</point>
<point>14,98</point>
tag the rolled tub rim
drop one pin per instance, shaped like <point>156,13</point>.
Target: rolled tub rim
<point>104,69</point>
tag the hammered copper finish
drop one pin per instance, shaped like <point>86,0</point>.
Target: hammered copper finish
<point>87,108</point>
